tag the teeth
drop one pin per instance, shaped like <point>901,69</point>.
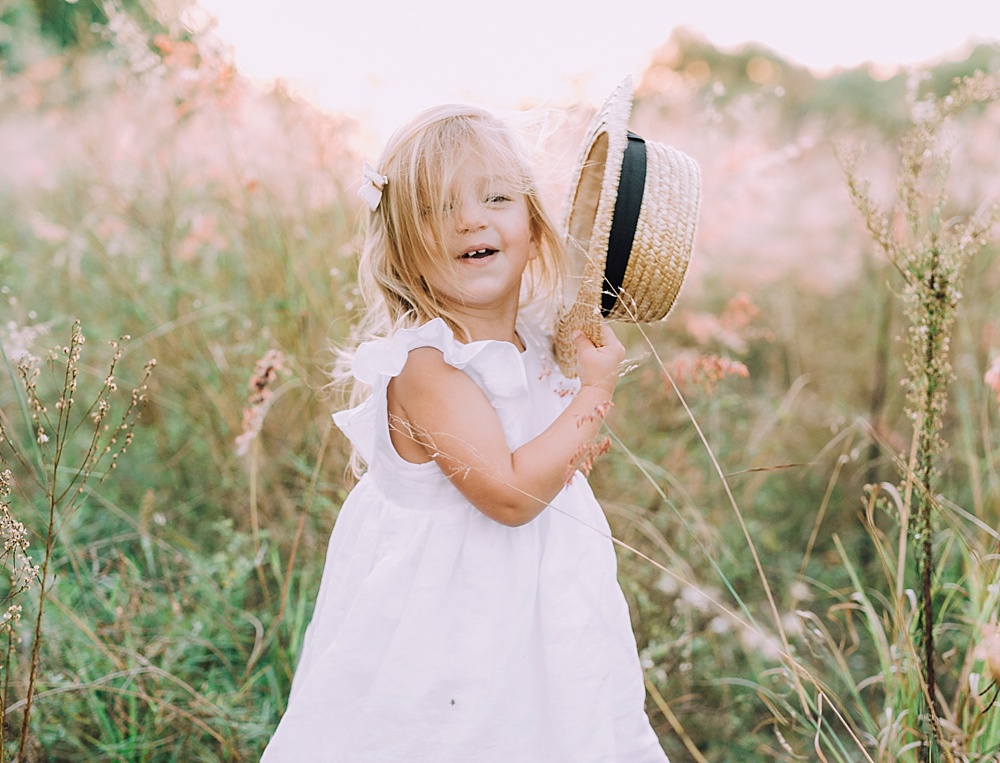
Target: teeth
<point>477,253</point>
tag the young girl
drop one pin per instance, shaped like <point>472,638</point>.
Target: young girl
<point>469,609</point>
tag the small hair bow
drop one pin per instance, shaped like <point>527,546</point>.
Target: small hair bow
<point>371,186</point>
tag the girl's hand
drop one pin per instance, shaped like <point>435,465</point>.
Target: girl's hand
<point>598,366</point>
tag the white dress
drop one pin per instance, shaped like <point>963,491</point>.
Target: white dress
<point>441,636</point>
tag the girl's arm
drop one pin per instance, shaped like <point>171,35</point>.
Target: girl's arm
<point>443,410</point>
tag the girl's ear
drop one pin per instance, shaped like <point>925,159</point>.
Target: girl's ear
<point>536,243</point>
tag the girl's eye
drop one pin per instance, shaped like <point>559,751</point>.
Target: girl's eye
<point>497,198</point>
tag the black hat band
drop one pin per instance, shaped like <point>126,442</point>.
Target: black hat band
<point>626,218</point>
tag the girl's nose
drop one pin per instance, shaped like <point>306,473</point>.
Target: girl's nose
<point>469,216</point>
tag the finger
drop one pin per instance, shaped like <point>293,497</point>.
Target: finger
<point>608,336</point>
<point>581,340</point>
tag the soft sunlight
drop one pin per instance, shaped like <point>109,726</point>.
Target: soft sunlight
<point>768,534</point>
<point>382,62</point>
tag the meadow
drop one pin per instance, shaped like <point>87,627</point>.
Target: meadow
<point>801,459</point>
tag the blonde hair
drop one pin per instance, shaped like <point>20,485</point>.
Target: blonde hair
<point>405,235</point>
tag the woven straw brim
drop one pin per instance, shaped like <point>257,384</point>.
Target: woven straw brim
<point>589,214</point>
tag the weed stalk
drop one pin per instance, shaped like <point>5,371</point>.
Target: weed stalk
<point>930,252</point>
<point>61,485</point>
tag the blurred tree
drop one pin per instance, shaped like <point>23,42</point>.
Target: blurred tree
<point>855,97</point>
<point>30,28</point>
<point>849,98</point>
<point>983,57</point>
<point>18,33</point>
<point>72,24</point>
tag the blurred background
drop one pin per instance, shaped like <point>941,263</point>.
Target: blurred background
<point>186,174</point>
<point>383,65</point>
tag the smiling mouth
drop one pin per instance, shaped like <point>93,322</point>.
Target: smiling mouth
<point>477,254</point>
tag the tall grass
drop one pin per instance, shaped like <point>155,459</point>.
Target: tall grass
<point>182,207</point>
<point>60,455</point>
<point>215,224</point>
<point>858,679</point>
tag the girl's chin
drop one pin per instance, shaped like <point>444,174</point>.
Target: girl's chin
<point>484,300</point>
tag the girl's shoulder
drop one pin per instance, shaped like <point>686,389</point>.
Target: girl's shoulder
<point>425,367</point>
<point>373,365</point>
<point>493,365</point>
<point>385,357</point>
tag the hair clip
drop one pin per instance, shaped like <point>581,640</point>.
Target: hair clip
<point>371,186</point>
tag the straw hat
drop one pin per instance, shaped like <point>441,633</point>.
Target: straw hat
<point>632,215</point>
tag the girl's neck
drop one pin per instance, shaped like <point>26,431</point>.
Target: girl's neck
<point>483,326</point>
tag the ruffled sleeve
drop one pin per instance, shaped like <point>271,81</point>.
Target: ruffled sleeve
<point>494,366</point>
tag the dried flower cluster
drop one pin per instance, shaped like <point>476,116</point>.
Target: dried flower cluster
<point>259,398</point>
<point>51,430</point>
<point>14,556</point>
<point>930,252</point>
<point>18,339</point>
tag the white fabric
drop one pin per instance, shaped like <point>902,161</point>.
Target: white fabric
<point>442,636</point>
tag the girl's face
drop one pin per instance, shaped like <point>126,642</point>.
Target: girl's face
<point>488,237</point>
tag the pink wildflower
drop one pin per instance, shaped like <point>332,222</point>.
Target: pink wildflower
<point>704,370</point>
<point>992,377</point>
<point>583,459</point>
<point>600,412</point>
<point>988,650</point>
<point>732,328</point>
